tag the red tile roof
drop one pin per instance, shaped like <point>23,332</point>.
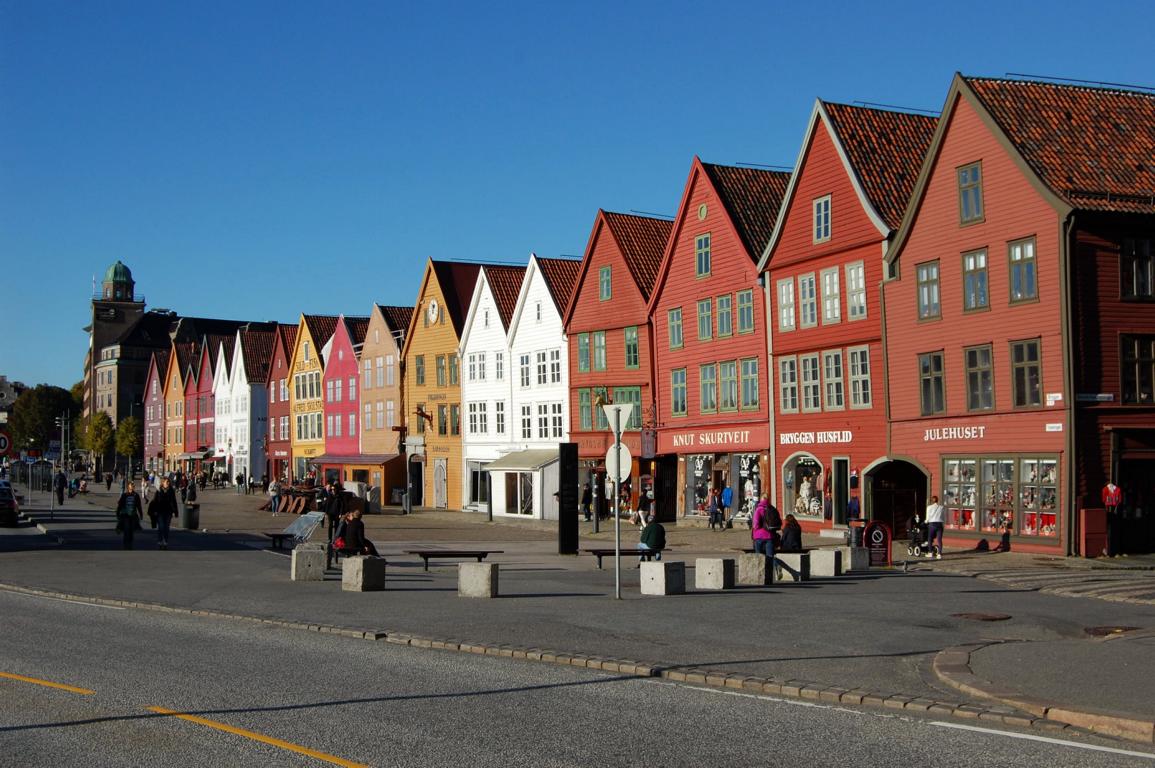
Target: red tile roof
<point>397,318</point>
<point>289,334</point>
<point>886,150</point>
<point>321,328</point>
<point>357,327</point>
<point>457,280</point>
<point>213,344</point>
<point>257,353</point>
<point>161,356</point>
<point>1093,147</point>
<point>505,283</point>
<point>642,240</point>
<point>752,197</point>
<point>561,275</point>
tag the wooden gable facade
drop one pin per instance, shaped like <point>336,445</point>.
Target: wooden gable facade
<point>280,450</point>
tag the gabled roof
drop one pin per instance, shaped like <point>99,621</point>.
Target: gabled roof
<point>885,149</point>
<point>212,347</point>
<point>321,328</point>
<point>397,318</point>
<point>153,329</point>
<point>457,280</point>
<point>1093,147</point>
<point>160,363</point>
<point>505,284</point>
<point>642,241</point>
<point>289,334</point>
<point>752,198</point>
<point>186,352</point>
<point>257,354</point>
<point>357,327</point>
<point>561,276</point>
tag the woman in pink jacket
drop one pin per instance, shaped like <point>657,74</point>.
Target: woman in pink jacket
<point>764,526</point>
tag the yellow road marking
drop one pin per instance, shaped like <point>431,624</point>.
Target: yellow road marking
<point>47,683</point>
<point>259,737</point>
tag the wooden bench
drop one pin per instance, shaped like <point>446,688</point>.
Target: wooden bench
<point>643,554</point>
<point>426,554</point>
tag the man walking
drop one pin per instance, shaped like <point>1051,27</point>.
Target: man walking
<point>58,484</point>
<point>163,509</point>
<point>935,517</point>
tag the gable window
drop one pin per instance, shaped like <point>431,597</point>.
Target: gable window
<point>485,318</point>
<point>705,319</point>
<point>975,281</point>
<point>585,420</point>
<point>599,350</point>
<point>306,348</point>
<point>811,386</point>
<point>746,311</point>
<point>822,219</point>
<point>855,291</point>
<point>725,315</point>
<point>831,297</point>
<point>928,302</point>
<point>481,366</point>
<point>454,369</point>
<point>786,304</point>
<point>708,375</point>
<point>542,369</point>
<point>523,366</point>
<point>537,312</point>
<point>788,385</point>
<point>367,374</point>
<point>555,366</point>
<point>674,318</point>
<point>1138,374</point>
<point>1137,268</point>
<point>605,289</point>
<point>678,392</point>
<point>441,371</point>
<point>631,339</point>
<point>970,193</point>
<point>980,379</point>
<point>1026,373</point>
<point>832,378</point>
<point>930,373</point>
<point>583,352</point>
<point>750,384</point>
<point>702,255</point>
<point>728,385</point>
<point>859,363</point>
<point>389,372</point>
<point>807,301</point>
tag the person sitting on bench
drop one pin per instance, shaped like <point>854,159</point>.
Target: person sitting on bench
<point>791,535</point>
<point>653,537</point>
<point>355,541</point>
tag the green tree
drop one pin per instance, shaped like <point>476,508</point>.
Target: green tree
<point>98,436</point>
<point>33,418</point>
<point>130,439</point>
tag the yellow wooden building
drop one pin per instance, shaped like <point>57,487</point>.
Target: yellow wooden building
<point>179,358</point>
<point>306,391</point>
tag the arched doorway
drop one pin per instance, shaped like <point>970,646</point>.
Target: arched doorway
<point>441,483</point>
<point>897,492</point>
<point>802,486</point>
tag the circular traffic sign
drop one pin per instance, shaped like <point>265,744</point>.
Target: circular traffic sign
<point>613,471</point>
<point>5,444</point>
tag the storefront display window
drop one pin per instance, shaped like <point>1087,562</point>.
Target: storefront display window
<point>998,494</point>
<point>802,487</point>
<point>749,488</point>
<point>698,470</point>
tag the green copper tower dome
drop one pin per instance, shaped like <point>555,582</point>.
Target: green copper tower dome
<point>118,284</point>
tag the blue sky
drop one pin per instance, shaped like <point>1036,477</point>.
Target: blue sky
<point>258,159</point>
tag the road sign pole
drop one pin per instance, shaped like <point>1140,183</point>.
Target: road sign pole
<point>617,504</point>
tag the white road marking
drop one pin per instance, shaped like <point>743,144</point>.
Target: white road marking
<point>1046,739</point>
<point>66,600</point>
<point>279,554</point>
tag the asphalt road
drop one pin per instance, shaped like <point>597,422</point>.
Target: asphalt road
<point>371,703</point>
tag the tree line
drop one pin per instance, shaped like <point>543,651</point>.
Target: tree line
<point>32,424</point>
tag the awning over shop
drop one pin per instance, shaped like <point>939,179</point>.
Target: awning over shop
<point>520,461</point>
<point>195,455</point>
<point>371,459</point>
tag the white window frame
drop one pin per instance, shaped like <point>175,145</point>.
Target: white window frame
<point>786,321</point>
<point>499,416</point>
<point>833,380</point>
<point>788,384</point>
<point>380,415</point>
<point>807,301</point>
<point>831,297</point>
<point>810,383</point>
<point>855,291</point>
<point>821,229</point>
<point>858,372</point>
<point>554,366</point>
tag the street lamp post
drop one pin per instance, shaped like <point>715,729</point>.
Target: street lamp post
<point>616,413</point>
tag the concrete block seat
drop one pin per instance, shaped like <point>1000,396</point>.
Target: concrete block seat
<point>308,563</point>
<point>825,563</point>
<point>714,573</point>
<point>755,570</point>
<point>477,579</point>
<point>361,573</point>
<point>855,559</point>
<point>792,566</point>
<point>663,577</point>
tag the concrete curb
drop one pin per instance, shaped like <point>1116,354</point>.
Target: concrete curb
<point>1013,715</point>
<point>952,666</point>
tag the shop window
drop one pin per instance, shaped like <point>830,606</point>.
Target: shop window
<point>1137,268</point>
<point>1021,255</point>
<point>1026,371</point>
<point>1039,496</point>
<point>980,378</point>
<point>975,281</point>
<point>802,487</point>
<point>1138,374</point>
<point>931,383</point>
<point>959,493</point>
<point>748,490</point>
<point>970,193</point>
<point>699,469</point>
<point>997,493</point>
<point>478,484</point>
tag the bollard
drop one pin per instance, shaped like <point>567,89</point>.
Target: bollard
<point>477,579</point>
<point>714,573</point>
<point>363,574</point>
<point>755,569</point>
<point>663,578</point>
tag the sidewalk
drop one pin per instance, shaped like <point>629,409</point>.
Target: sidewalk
<point>872,637</point>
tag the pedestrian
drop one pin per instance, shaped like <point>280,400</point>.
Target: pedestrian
<point>653,538</point>
<point>108,481</point>
<point>727,499</point>
<point>764,526</point>
<point>274,496</point>
<point>587,501</point>
<point>334,504</point>
<point>791,535</point>
<point>191,496</point>
<point>161,512</point>
<point>645,504</point>
<point>129,513</point>
<point>240,479</point>
<point>934,518</point>
<point>355,540</point>
<point>249,487</point>
<point>714,508</point>
<point>59,483</point>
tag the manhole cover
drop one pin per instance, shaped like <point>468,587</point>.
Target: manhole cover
<point>982,616</point>
<point>1107,631</point>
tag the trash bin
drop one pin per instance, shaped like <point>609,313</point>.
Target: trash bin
<point>190,515</point>
<point>855,539</point>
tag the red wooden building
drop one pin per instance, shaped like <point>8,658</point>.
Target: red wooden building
<point>708,317</point>
<point>342,457</point>
<point>1020,318</point>
<point>280,443</point>
<point>610,349</point>
<point>843,206</point>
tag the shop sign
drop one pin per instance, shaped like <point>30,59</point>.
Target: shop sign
<point>954,433</point>
<point>876,536</point>
<point>1054,397</point>
<point>714,440</point>
<point>812,438</point>
<point>1095,397</point>
<point>1056,427</point>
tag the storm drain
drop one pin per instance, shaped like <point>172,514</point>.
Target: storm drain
<point>1107,631</point>
<point>982,616</point>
